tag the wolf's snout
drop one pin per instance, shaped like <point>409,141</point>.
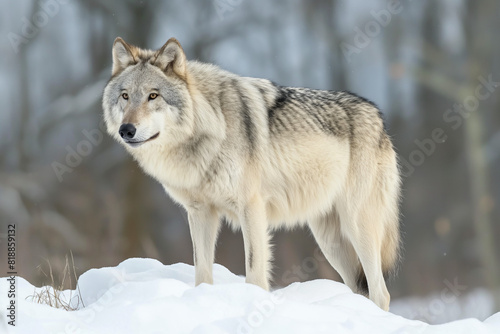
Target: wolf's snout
<point>127,131</point>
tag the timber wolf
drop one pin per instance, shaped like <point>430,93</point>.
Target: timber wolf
<point>263,156</point>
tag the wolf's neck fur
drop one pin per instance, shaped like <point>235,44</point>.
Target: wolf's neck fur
<point>185,164</point>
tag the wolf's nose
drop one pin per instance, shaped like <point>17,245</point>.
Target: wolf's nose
<point>127,131</point>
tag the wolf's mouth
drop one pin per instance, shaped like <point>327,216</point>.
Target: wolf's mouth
<point>139,143</point>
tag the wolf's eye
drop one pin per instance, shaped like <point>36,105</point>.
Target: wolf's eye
<point>153,96</point>
<point>125,96</point>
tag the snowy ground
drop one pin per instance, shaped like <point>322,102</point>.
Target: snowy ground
<point>144,296</point>
<point>453,302</point>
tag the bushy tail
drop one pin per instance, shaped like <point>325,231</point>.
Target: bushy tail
<point>390,182</point>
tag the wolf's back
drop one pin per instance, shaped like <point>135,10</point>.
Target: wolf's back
<point>336,113</point>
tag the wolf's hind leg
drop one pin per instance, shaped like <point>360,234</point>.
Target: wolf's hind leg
<point>366,232</point>
<point>204,227</point>
<point>256,239</point>
<point>337,250</point>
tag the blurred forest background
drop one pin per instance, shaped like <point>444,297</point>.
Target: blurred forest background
<point>432,67</point>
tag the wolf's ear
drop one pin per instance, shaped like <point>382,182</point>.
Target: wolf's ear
<point>122,55</point>
<point>171,57</point>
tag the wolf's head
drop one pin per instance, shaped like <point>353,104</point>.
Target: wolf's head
<point>147,101</point>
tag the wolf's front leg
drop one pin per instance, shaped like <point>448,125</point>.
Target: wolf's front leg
<point>256,239</point>
<point>204,226</point>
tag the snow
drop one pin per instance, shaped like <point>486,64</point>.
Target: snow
<point>445,306</point>
<point>145,296</point>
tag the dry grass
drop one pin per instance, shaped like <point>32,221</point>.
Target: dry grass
<point>52,294</point>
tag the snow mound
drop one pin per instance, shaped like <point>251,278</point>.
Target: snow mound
<point>145,296</point>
